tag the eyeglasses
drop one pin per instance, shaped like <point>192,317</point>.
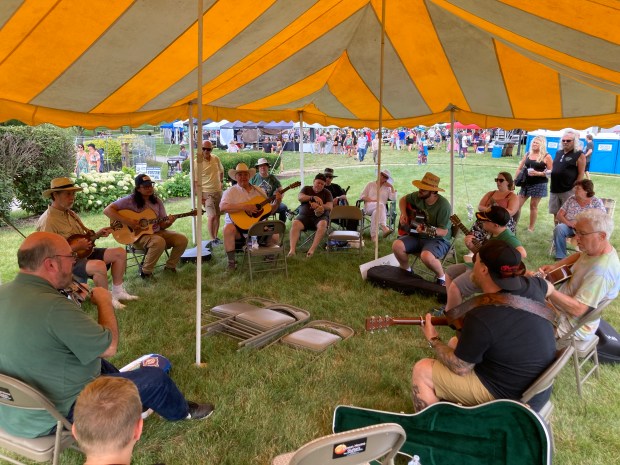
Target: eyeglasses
<point>499,180</point>
<point>73,256</point>
<point>208,149</point>
<point>567,141</point>
<point>581,233</point>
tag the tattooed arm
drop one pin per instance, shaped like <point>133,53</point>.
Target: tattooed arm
<point>445,353</point>
<point>446,356</point>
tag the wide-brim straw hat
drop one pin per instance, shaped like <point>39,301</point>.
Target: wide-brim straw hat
<point>241,167</point>
<point>429,182</point>
<point>59,185</point>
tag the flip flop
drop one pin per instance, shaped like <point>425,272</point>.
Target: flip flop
<point>389,231</point>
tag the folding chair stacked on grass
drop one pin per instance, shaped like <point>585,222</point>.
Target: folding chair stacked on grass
<point>256,322</point>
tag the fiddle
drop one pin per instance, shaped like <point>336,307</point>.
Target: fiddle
<point>77,291</point>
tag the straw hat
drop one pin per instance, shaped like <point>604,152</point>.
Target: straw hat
<point>241,167</point>
<point>262,161</point>
<point>59,185</point>
<point>429,182</point>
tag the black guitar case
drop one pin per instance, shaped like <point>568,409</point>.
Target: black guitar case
<point>608,343</point>
<point>405,282</point>
<point>501,432</point>
<point>191,255</point>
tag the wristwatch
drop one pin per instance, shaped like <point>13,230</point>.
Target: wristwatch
<point>432,340</point>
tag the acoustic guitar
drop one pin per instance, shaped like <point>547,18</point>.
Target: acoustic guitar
<point>147,218</point>
<point>416,218</point>
<point>557,275</point>
<point>244,220</point>
<point>456,221</point>
<point>92,236</point>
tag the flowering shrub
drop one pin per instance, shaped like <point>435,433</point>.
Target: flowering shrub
<point>101,189</point>
<point>177,186</point>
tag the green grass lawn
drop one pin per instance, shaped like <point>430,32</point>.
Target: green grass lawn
<point>275,399</point>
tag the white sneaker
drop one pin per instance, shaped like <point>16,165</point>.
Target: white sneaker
<point>124,295</point>
<point>116,304</point>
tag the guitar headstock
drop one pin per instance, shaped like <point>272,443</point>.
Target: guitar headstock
<point>375,323</point>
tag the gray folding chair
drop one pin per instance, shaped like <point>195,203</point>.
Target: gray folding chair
<point>337,234</point>
<point>584,351</point>
<point>266,258</point>
<point>545,381</point>
<point>17,394</point>
<point>383,440</point>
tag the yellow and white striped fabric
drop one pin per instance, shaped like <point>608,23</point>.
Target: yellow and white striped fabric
<point>508,63</point>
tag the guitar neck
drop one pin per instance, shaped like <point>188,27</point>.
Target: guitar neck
<point>383,322</point>
<point>271,199</point>
<point>161,220</point>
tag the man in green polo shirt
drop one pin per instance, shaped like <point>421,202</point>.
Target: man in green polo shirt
<point>48,342</point>
<point>458,277</point>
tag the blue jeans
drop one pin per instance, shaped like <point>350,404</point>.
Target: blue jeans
<point>281,211</point>
<point>156,388</point>
<point>361,153</point>
<point>560,234</point>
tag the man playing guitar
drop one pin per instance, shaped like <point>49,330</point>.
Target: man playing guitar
<point>432,238</point>
<point>238,198</point>
<point>142,198</point>
<point>60,219</point>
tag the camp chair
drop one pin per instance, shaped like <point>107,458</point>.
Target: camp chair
<point>266,258</point>
<point>138,256</point>
<point>383,440</point>
<point>584,350</point>
<point>336,234</point>
<point>545,381</point>
<point>449,257</point>
<point>17,394</point>
<point>390,215</point>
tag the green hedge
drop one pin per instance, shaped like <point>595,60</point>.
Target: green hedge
<point>26,182</point>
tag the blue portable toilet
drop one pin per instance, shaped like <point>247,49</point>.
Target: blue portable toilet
<point>553,140</point>
<point>605,154</point>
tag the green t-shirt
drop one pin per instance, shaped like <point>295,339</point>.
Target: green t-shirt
<point>437,214</point>
<point>48,342</point>
<point>268,184</point>
<point>508,237</point>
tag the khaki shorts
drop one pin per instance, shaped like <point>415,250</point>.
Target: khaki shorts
<point>211,201</point>
<point>465,390</point>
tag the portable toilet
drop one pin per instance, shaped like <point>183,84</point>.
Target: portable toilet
<point>553,140</point>
<point>605,154</point>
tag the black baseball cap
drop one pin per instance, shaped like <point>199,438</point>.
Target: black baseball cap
<point>143,180</point>
<point>321,176</point>
<point>498,215</point>
<point>504,264</point>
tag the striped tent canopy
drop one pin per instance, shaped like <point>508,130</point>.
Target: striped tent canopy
<point>508,63</point>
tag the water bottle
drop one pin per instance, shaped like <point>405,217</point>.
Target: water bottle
<point>254,242</point>
<point>415,461</point>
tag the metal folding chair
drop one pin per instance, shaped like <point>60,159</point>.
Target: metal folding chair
<point>17,394</point>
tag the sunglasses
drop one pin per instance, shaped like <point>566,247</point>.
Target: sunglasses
<point>329,177</point>
<point>146,184</point>
<point>499,180</point>
<point>567,141</point>
<point>208,149</point>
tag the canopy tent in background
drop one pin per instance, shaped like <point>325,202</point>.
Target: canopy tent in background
<point>458,125</point>
<point>514,63</point>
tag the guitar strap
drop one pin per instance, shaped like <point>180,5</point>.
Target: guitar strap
<point>502,299</point>
<point>77,219</point>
